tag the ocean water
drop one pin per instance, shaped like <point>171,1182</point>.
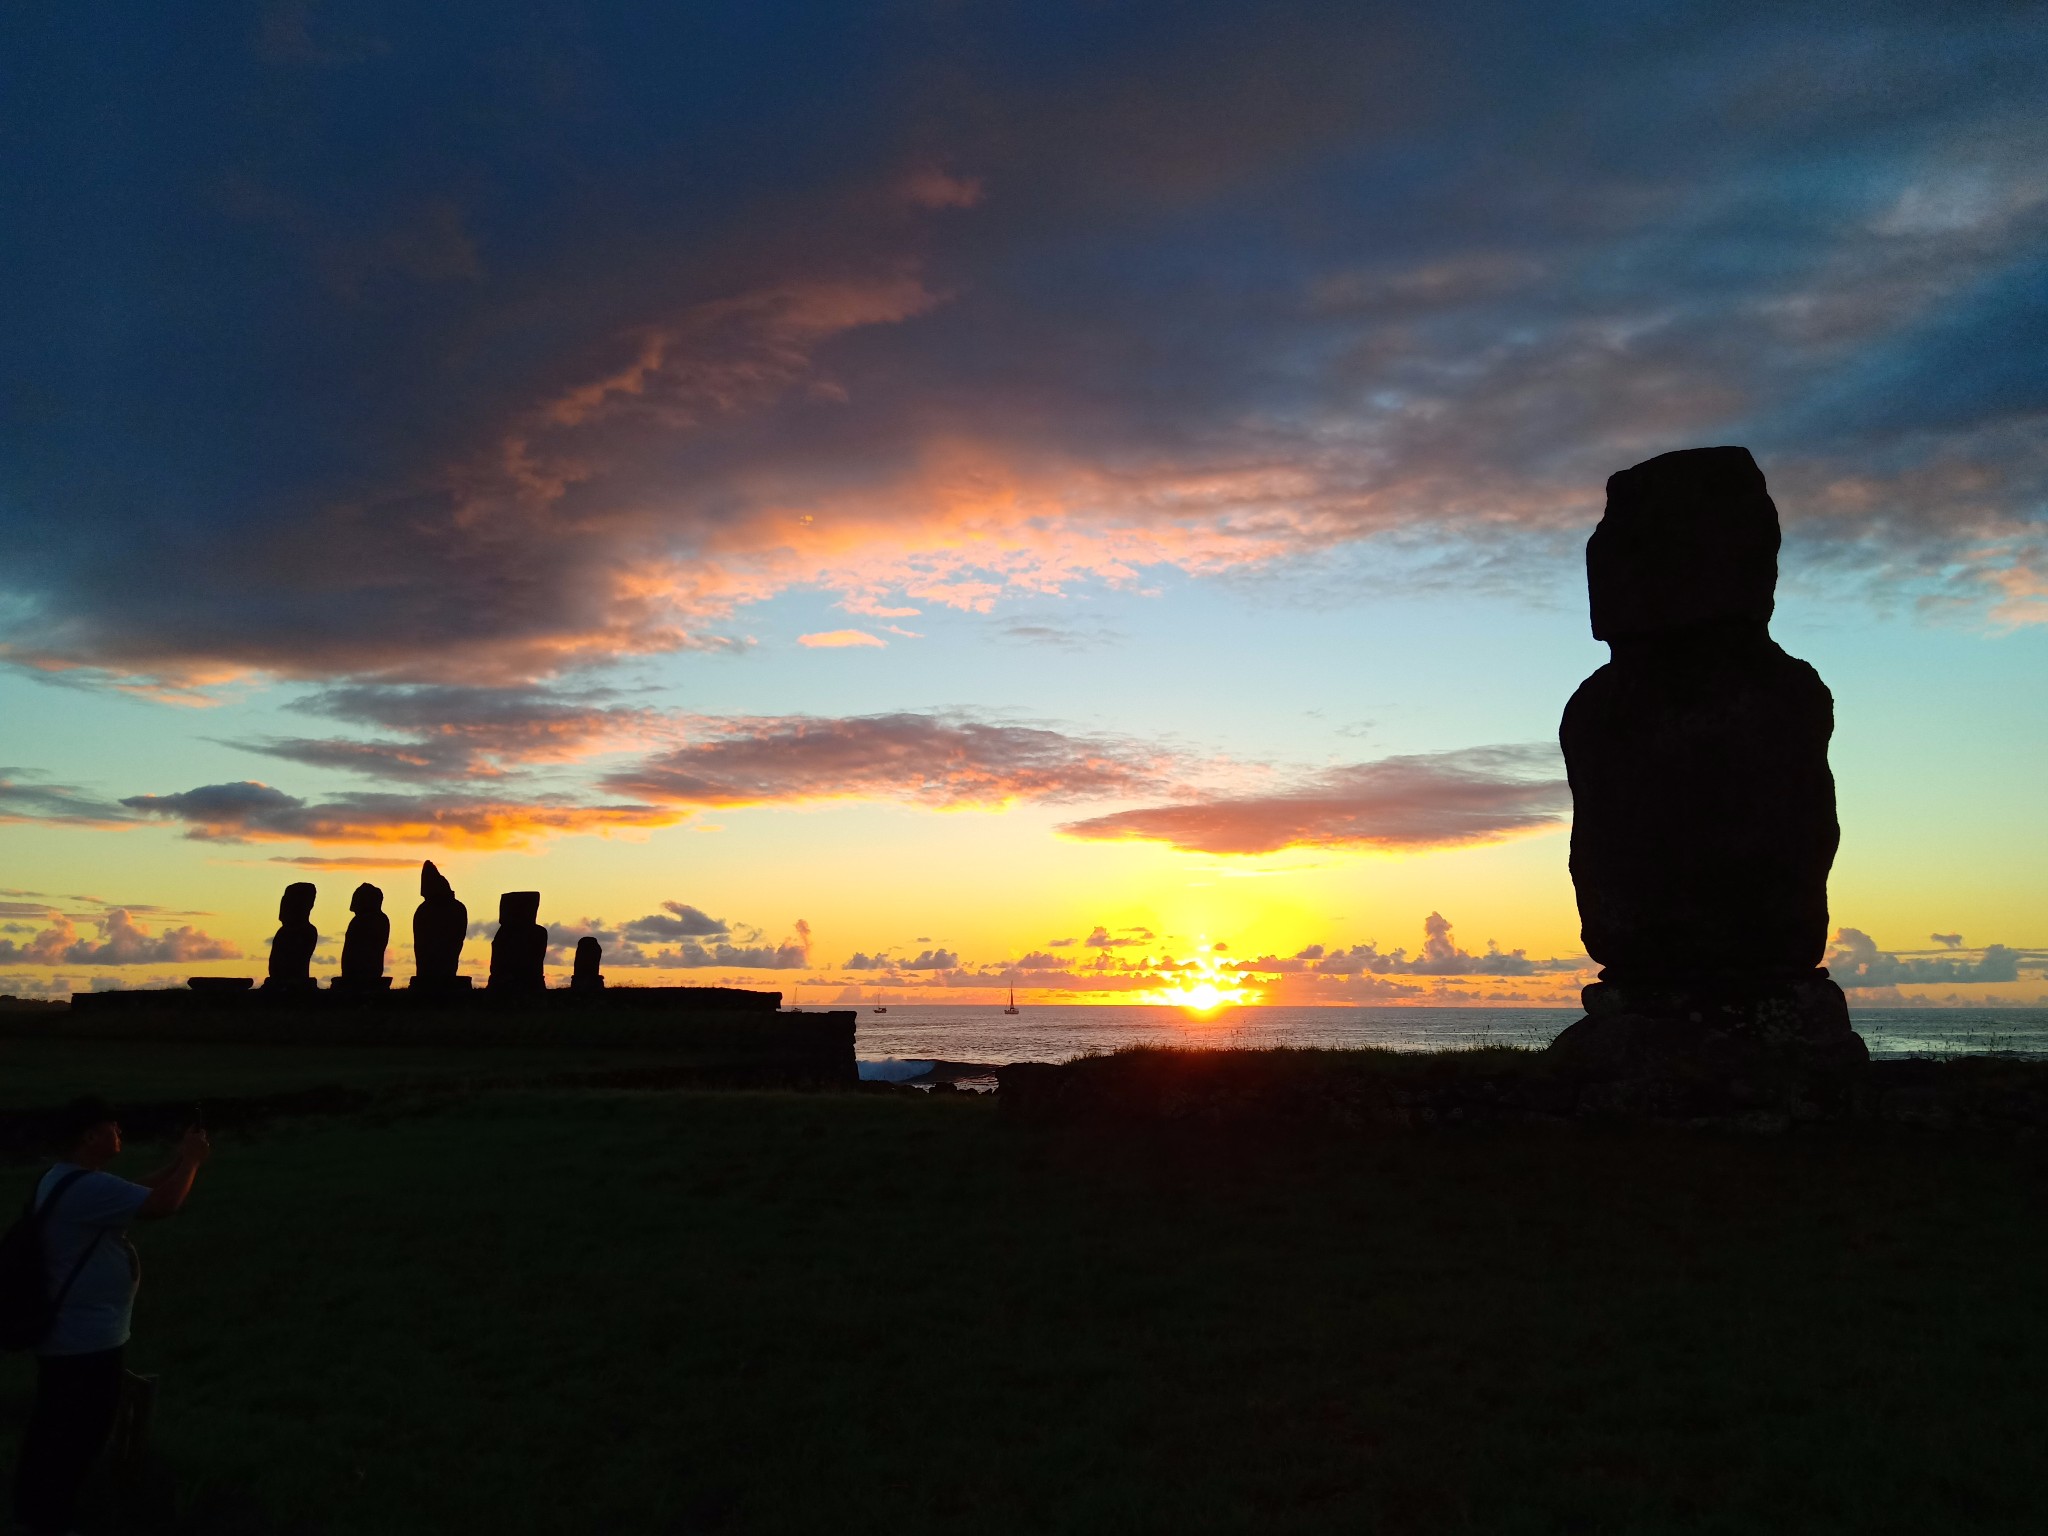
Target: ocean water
<point>926,1032</point>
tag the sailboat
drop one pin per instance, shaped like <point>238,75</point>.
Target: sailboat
<point>1013,999</point>
<point>879,1007</point>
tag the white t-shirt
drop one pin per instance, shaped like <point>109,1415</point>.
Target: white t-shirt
<point>96,1309</point>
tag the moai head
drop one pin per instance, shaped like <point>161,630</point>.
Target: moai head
<point>296,905</point>
<point>367,898</point>
<point>589,956</point>
<point>433,884</point>
<point>519,907</point>
<point>1689,539</point>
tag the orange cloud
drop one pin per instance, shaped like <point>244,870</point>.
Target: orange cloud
<point>254,812</point>
<point>840,639</point>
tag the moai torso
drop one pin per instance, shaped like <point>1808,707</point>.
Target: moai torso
<point>1703,808</point>
<point>369,934</point>
<point>519,949</point>
<point>588,975</point>
<point>440,923</point>
<point>291,948</point>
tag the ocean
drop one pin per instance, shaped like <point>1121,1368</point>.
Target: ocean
<point>925,1032</point>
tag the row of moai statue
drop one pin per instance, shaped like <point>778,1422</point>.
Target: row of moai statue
<point>440,924</point>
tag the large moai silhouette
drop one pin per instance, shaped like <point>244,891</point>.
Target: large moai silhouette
<point>439,925</point>
<point>292,946</point>
<point>363,946</point>
<point>519,949</point>
<point>1703,823</point>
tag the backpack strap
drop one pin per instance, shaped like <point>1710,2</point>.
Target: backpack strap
<point>43,1207</point>
<point>42,1219</point>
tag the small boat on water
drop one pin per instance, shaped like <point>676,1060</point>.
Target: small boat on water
<point>1013,1001</point>
<point>880,1006</point>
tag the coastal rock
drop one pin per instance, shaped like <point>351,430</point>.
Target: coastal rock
<point>439,925</point>
<point>1703,806</point>
<point>363,946</point>
<point>292,946</point>
<point>519,949</point>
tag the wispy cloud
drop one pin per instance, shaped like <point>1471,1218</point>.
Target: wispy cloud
<point>462,733</point>
<point>342,861</point>
<point>1447,799</point>
<point>1087,344</point>
<point>928,759</point>
<point>250,811</point>
<point>25,796</point>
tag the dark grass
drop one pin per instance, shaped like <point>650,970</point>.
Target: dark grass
<point>42,1073</point>
<point>605,1311</point>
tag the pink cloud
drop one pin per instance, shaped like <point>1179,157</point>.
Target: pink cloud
<point>1448,799</point>
<point>122,941</point>
<point>933,188</point>
<point>461,733</point>
<point>935,760</point>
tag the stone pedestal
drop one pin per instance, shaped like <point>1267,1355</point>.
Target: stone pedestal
<point>1781,1052</point>
<point>439,984</point>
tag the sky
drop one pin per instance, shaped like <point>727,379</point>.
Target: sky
<point>905,500</point>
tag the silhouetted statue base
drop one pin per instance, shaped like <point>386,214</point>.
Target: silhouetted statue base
<point>1780,1043</point>
<point>359,984</point>
<point>294,984</point>
<point>440,983</point>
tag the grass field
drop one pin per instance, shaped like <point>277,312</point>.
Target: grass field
<point>38,1074</point>
<point>551,1310</point>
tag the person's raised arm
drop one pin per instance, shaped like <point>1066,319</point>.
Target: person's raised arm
<point>169,1186</point>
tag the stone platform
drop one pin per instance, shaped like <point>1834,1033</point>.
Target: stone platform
<point>721,1025</point>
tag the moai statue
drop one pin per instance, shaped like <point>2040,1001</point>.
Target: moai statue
<point>362,947</point>
<point>291,948</point>
<point>519,949</point>
<point>1703,821</point>
<point>589,956</point>
<point>439,925</point>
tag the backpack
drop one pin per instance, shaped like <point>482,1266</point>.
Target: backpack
<point>27,1309</point>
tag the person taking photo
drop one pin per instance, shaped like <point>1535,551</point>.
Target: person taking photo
<point>93,1269</point>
